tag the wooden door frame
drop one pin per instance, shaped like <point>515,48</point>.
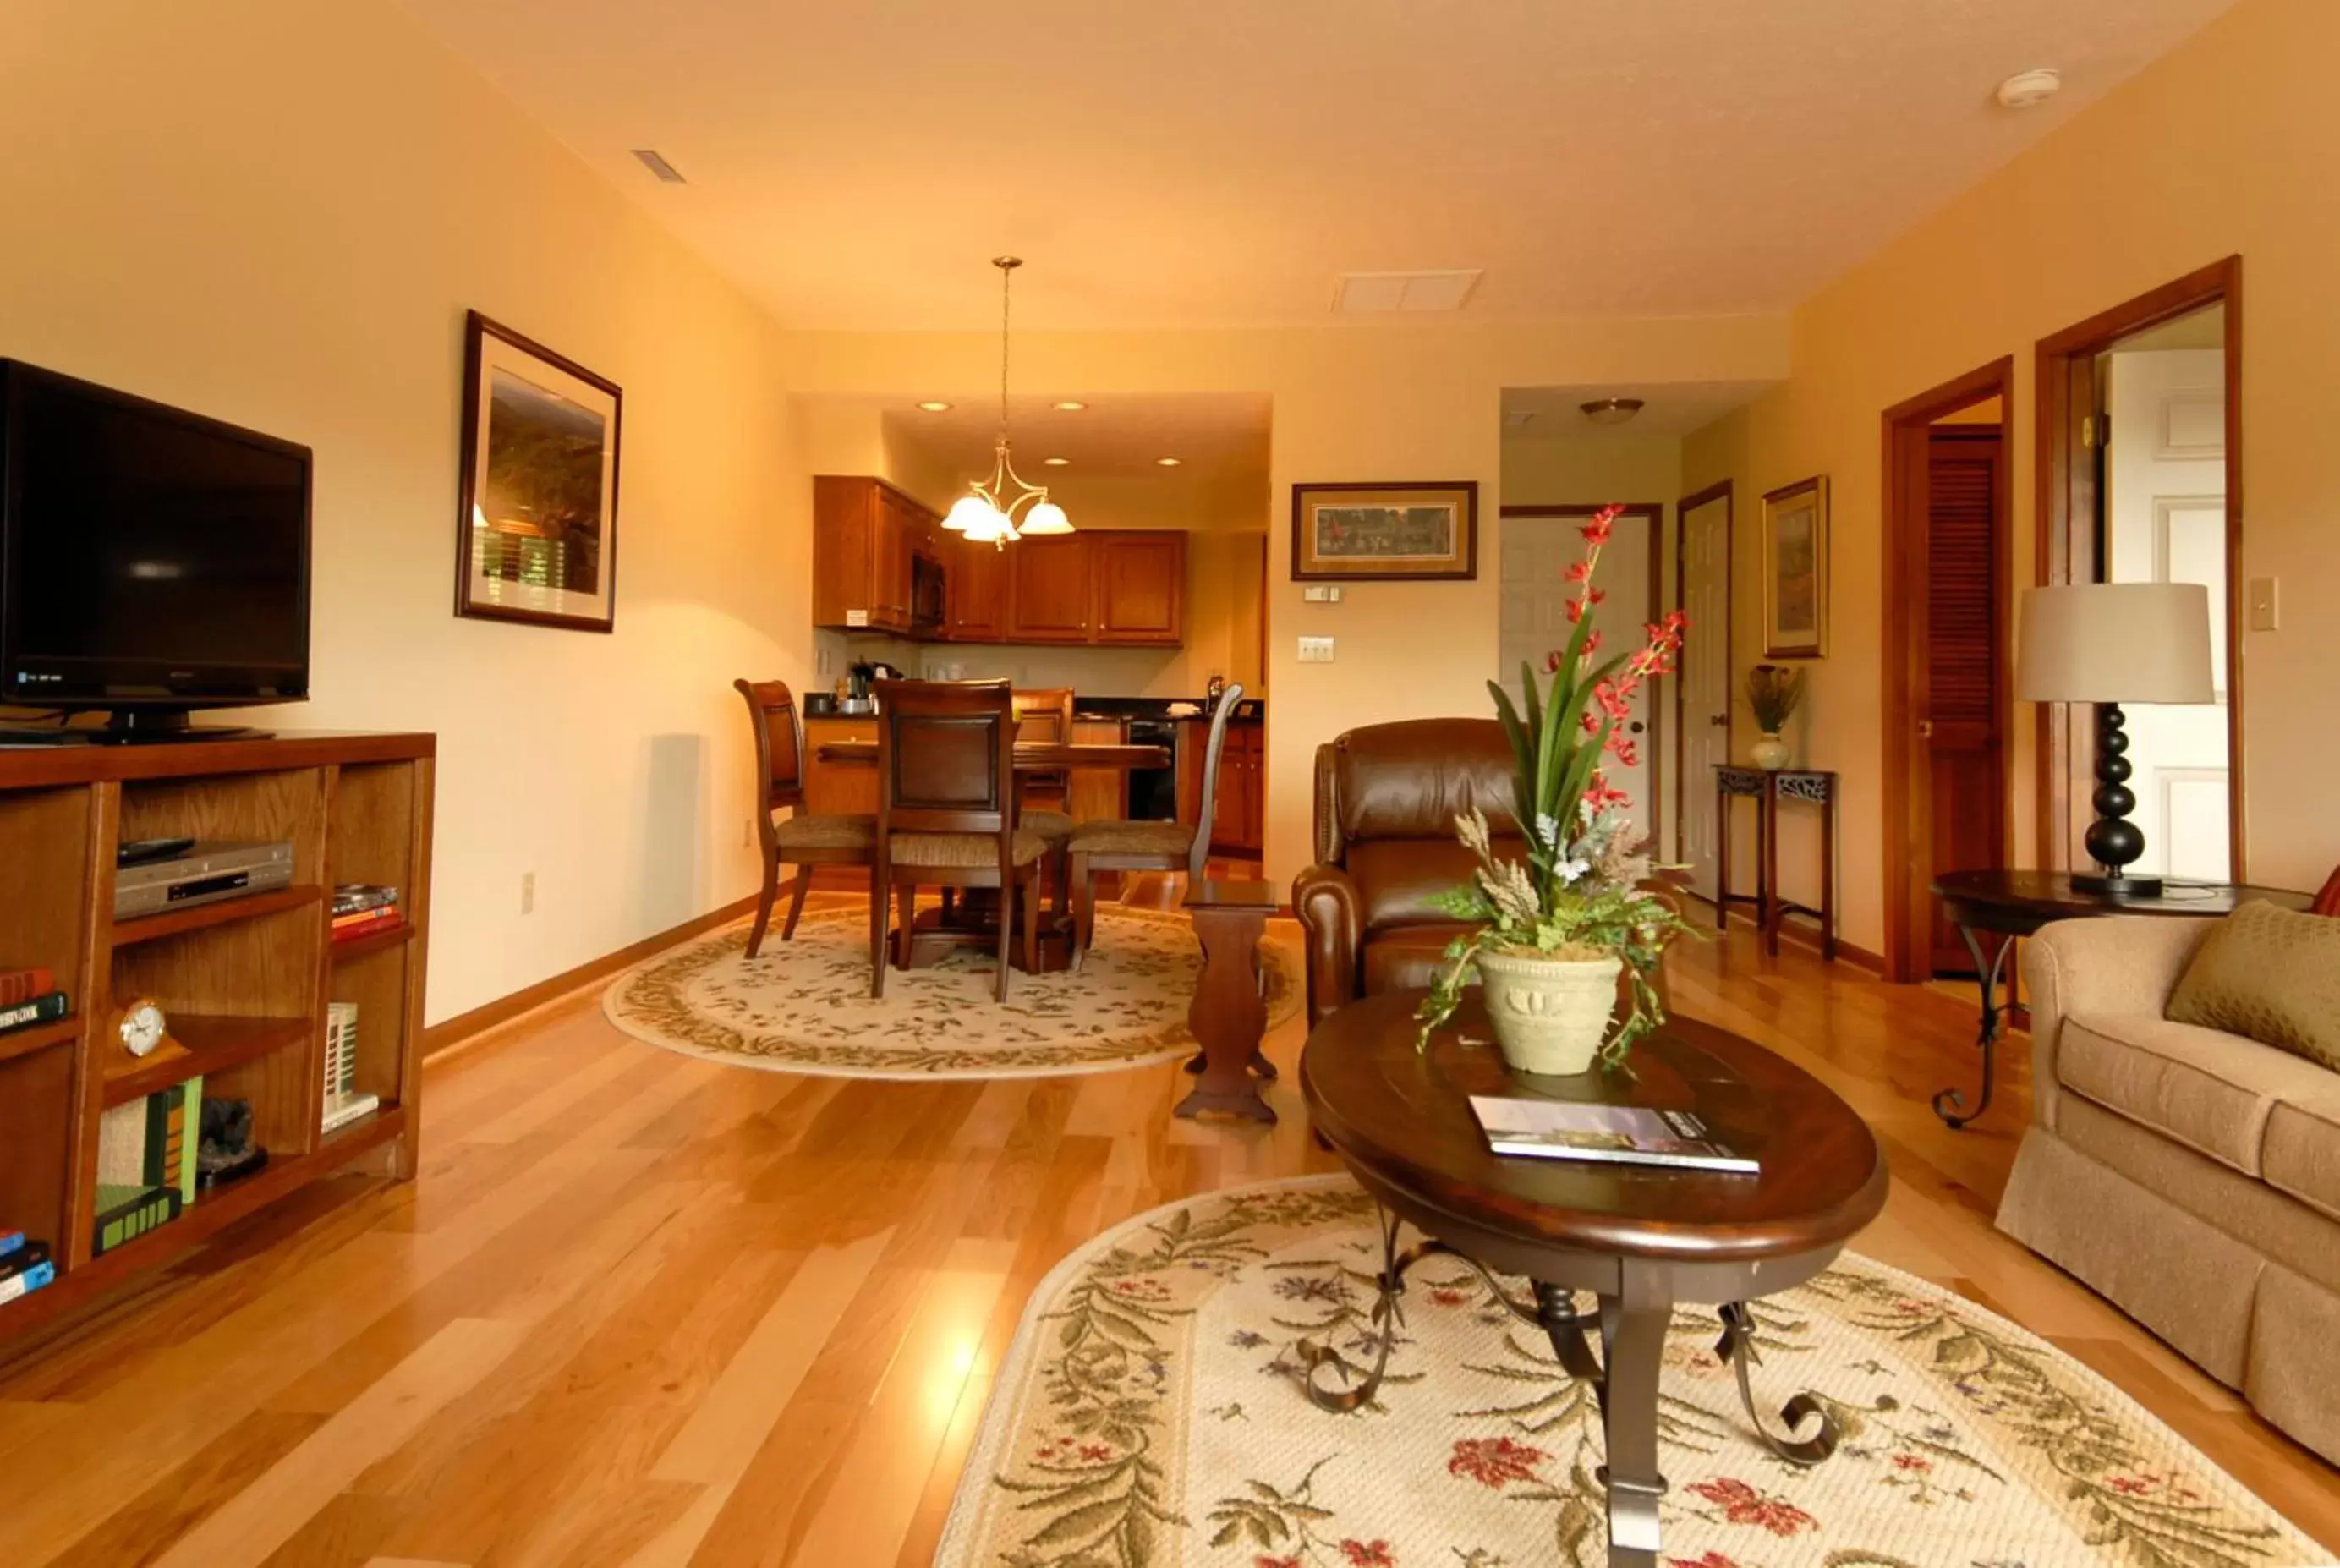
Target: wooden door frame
<point>1720,489</point>
<point>2066,514</point>
<point>1655,511</point>
<point>1908,906</point>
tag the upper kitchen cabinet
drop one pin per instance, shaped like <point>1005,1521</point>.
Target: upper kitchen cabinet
<point>1049,590</point>
<point>1141,587</point>
<point>976,575</point>
<point>875,557</point>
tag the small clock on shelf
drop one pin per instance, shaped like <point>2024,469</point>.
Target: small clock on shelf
<point>140,1027</point>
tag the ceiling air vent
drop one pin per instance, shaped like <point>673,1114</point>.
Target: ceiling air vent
<point>656,165</point>
<point>1362,293</point>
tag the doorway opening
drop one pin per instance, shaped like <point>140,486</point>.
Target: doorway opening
<point>1947,690</point>
<point>2140,480</point>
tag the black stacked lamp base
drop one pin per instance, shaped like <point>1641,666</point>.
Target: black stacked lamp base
<point>2113,841</point>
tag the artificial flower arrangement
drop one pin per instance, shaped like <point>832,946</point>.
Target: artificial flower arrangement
<point>1579,896</point>
<point>1774,692</point>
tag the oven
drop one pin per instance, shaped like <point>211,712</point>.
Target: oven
<point>1154,791</point>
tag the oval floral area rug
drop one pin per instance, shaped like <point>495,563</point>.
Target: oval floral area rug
<point>1148,1413</point>
<point>804,1006</point>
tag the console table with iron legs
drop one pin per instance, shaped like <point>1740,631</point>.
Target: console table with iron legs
<point>1767,787</point>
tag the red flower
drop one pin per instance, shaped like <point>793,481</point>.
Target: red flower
<point>1622,747</point>
<point>1742,1505</point>
<point>1912,1461</point>
<point>1493,1461</point>
<point>1368,1553</point>
<point>1596,528</point>
<point>1711,1559</point>
<point>1446,1297</point>
<point>1095,1451</point>
<point>1580,571</point>
<point>1276,1563</point>
<point>1593,642</point>
<point>2133,1485</point>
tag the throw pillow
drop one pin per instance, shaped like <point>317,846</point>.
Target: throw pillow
<point>2272,975</point>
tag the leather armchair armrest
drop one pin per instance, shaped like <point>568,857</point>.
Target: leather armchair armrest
<point>1325,900</point>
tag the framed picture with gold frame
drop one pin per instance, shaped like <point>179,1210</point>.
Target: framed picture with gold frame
<point>1796,570</point>
<point>1386,532</point>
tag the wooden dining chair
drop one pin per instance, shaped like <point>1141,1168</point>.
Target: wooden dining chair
<point>1044,801</point>
<point>1128,845</point>
<point>946,813</point>
<point>800,840</point>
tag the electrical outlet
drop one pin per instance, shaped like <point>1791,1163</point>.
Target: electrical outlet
<point>1315,651</point>
<point>2265,603</point>
<point>528,892</point>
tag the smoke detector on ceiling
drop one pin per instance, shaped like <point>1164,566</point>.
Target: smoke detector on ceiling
<point>1611,409</point>
<point>1369,293</point>
<point>2026,88</point>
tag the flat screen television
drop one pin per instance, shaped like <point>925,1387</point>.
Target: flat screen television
<point>153,561</point>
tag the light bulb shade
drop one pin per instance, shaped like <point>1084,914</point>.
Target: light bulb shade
<point>964,513</point>
<point>1046,518</point>
<point>985,524</point>
<point>2114,642</point>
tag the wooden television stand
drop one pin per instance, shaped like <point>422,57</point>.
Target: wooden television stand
<point>244,983</point>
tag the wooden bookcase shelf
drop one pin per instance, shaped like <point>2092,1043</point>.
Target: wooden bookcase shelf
<point>244,984</point>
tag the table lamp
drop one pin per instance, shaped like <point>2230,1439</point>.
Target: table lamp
<point>2110,643</point>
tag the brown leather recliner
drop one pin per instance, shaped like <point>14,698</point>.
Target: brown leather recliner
<point>1386,799</point>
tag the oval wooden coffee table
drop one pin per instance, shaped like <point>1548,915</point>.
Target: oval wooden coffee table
<point>1641,1240</point>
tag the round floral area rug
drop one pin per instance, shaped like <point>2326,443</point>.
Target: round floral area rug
<point>1149,1414</point>
<point>804,1006</point>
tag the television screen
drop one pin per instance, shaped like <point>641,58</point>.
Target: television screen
<point>153,557</point>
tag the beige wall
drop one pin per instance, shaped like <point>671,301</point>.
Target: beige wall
<point>276,213</point>
<point>2224,146</point>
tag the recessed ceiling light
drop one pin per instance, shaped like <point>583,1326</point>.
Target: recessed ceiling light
<point>1168,461</point>
<point>1611,409</point>
<point>2026,88</point>
<point>1055,461</point>
<point>1071,405</point>
<point>934,405</point>
<point>656,165</point>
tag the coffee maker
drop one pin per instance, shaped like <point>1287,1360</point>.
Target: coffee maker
<point>858,698</point>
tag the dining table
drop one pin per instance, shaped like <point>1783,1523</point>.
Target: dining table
<point>976,913</point>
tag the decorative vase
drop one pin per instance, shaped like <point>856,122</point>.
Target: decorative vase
<point>1551,1016</point>
<point>1770,752</point>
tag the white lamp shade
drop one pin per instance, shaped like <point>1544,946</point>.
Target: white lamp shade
<point>984,524</point>
<point>2114,642</point>
<point>1046,518</point>
<point>964,512</point>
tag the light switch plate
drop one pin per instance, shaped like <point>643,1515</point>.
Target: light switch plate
<point>1315,651</point>
<point>2265,603</point>
<point>1321,593</point>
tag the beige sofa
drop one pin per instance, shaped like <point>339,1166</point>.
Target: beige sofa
<point>2191,1176</point>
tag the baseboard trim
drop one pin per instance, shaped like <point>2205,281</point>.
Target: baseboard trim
<point>440,1038</point>
<point>1795,933</point>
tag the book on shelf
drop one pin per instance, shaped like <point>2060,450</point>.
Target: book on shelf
<point>125,1213</point>
<point>340,1049</point>
<point>11,1241</point>
<point>1603,1135</point>
<point>341,1111</point>
<point>357,897</point>
<point>18,986</point>
<point>26,1257</point>
<point>366,925</point>
<point>151,1142</point>
<point>30,1280</point>
<point>42,1009</point>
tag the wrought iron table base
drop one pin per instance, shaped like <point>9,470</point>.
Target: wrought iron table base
<point>1949,1105</point>
<point>1624,1377</point>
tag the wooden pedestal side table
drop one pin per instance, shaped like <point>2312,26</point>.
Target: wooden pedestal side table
<point>1641,1241</point>
<point>1767,787</point>
<point>1229,1015</point>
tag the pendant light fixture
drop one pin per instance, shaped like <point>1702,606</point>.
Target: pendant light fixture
<point>1005,507</point>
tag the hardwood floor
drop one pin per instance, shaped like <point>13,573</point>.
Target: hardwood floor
<point>642,1309</point>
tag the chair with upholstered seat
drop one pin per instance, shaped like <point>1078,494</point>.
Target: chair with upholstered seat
<point>1044,801</point>
<point>1127,845</point>
<point>799,839</point>
<point>946,813</point>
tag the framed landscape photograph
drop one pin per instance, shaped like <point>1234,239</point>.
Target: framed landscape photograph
<point>1795,570</point>
<point>1384,532</point>
<point>537,526</point>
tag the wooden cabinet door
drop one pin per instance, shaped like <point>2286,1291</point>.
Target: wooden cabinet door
<point>890,589</point>
<point>977,583</point>
<point>1141,588</point>
<point>1048,598</point>
<point>839,788</point>
<point>844,547</point>
<point>1235,829</point>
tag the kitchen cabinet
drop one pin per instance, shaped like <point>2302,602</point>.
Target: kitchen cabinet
<point>839,788</point>
<point>975,575</point>
<point>866,537</point>
<point>1140,587</point>
<point>1237,821</point>
<point>1049,590</point>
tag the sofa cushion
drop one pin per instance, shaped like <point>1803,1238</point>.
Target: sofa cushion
<point>2273,975</point>
<point>1400,880</point>
<point>2302,1153</point>
<point>2209,1090</point>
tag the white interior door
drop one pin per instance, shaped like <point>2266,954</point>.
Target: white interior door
<point>1536,554</point>
<point>1706,679</point>
<point>2165,503</point>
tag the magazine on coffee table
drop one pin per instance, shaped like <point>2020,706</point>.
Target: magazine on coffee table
<point>1603,1135</point>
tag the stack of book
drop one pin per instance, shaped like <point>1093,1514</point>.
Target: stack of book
<point>362,908</point>
<point>29,996</point>
<point>24,1265</point>
<point>344,1101</point>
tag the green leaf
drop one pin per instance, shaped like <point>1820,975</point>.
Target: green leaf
<point>1081,1523</point>
<point>1523,740</point>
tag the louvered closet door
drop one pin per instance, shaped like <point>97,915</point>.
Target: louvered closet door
<point>1962,666</point>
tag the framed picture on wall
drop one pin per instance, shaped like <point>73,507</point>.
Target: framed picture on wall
<point>1796,570</point>
<point>1384,532</point>
<point>537,528</point>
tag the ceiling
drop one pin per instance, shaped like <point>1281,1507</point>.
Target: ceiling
<point>1673,410</point>
<point>1219,161</point>
<point>1214,435</point>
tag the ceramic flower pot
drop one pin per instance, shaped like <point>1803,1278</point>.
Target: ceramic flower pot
<point>1550,1016</point>
<point>1770,752</point>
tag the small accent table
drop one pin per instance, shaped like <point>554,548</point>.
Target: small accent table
<point>1229,1016</point>
<point>2011,904</point>
<point>1767,787</point>
<point>1640,1241</point>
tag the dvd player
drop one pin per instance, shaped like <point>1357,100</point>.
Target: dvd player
<point>205,874</point>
